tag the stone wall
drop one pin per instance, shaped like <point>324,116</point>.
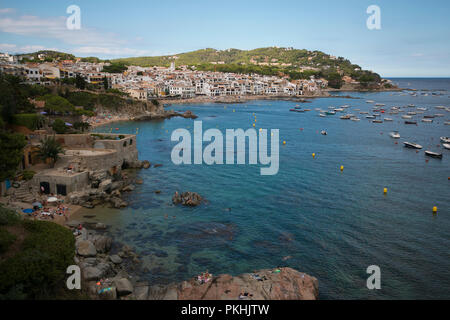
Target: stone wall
<point>126,147</point>
<point>73,182</point>
<point>75,140</point>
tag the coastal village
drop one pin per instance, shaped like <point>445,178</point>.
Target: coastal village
<point>160,82</point>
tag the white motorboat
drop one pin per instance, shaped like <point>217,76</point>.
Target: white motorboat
<point>433,154</point>
<point>412,145</point>
<point>406,117</point>
<point>355,119</point>
<point>445,139</point>
<point>323,132</point>
<point>395,135</point>
<point>446,146</point>
<point>388,119</point>
<point>427,120</point>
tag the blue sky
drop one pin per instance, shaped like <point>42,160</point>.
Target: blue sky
<point>414,39</point>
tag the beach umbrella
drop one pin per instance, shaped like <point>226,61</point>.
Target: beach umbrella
<point>52,199</point>
<point>68,124</point>
<point>27,211</point>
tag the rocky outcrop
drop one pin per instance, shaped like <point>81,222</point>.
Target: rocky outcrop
<point>279,284</point>
<point>166,114</point>
<point>86,248</point>
<point>190,199</point>
<point>146,164</point>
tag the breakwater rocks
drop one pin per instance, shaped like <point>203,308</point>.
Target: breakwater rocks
<point>189,199</point>
<point>166,114</point>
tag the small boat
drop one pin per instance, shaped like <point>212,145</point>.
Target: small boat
<point>330,113</point>
<point>395,135</point>
<point>323,132</point>
<point>446,146</point>
<point>439,115</point>
<point>380,104</point>
<point>433,154</point>
<point>412,145</point>
<point>377,121</point>
<point>440,107</point>
<point>411,113</point>
<point>411,106</point>
<point>406,117</point>
<point>346,117</point>
<point>363,112</point>
<point>370,101</point>
<point>428,117</point>
<point>422,109</point>
<point>322,115</point>
<point>388,119</point>
<point>427,120</point>
<point>338,109</point>
<point>410,122</point>
<point>355,119</point>
<point>445,139</point>
<point>370,117</point>
<point>447,123</point>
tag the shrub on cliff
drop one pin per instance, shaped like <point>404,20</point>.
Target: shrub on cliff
<point>38,270</point>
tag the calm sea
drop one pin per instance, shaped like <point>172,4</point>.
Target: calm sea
<point>310,216</point>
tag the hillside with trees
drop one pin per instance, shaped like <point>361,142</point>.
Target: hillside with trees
<point>294,63</point>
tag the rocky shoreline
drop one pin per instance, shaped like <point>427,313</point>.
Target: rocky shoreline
<point>111,271</point>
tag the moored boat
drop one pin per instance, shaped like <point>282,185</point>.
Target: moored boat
<point>445,139</point>
<point>446,146</point>
<point>395,135</point>
<point>410,122</point>
<point>433,154</point>
<point>412,145</point>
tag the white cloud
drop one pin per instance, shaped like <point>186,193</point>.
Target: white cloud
<point>56,28</point>
<point>6,47</point>
<point>86,41</point>
<point>7,10</point>
<point>13,48</point>
<point>116,51</point>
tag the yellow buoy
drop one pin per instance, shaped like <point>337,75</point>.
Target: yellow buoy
<point>284,142</point>
<point>234,110</point>
<point>434,209</point>
<point>342,168</point>
<point>314,155</point>
<point>253,124</point>
<point>385,190</point>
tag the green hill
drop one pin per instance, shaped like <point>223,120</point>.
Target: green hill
<point>271,61</point>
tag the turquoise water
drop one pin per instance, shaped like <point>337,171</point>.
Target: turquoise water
<point>331,224</point>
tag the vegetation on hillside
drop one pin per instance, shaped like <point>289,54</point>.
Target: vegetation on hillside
<point>50,149</point>
<point>49,56</point>
<point>34,256</point>
<point>297,64</point>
